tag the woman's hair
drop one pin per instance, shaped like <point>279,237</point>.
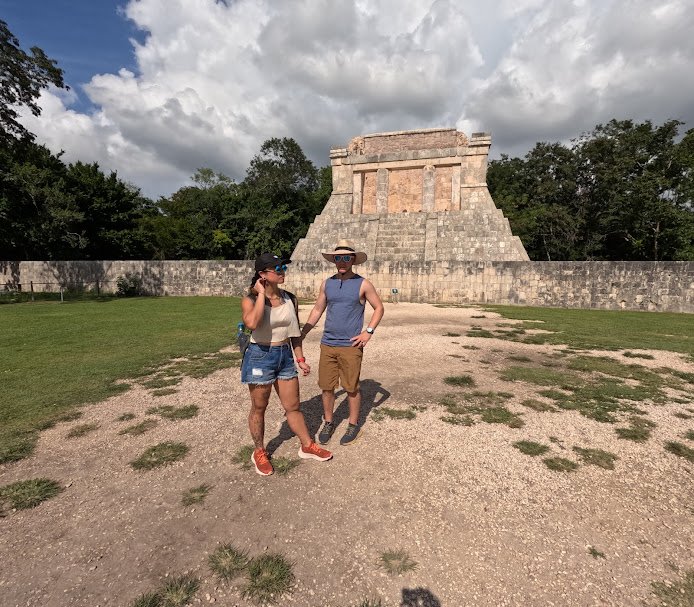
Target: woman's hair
<point>251,290</point>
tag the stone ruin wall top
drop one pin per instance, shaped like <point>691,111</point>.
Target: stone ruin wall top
<point>384,143</point>
<point>424,170</point>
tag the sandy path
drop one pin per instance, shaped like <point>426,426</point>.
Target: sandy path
<point>486,524</point>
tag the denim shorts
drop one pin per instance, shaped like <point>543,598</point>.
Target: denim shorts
<point>266,364</point>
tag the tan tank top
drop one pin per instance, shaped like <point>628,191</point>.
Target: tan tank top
<point>278,324</point>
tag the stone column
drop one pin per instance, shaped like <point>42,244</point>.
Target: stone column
<point>455,188</point>
<point>357,189</point>
<point>382,191</point>
<point>429,178</point>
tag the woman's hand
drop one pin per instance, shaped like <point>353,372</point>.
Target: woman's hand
<point>259,286</point>
<point>305,368</point>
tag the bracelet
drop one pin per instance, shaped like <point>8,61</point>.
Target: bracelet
<point>301,360</point>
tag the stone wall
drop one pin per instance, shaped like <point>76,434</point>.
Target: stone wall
<point>656,286</point>
<point>158,277</point>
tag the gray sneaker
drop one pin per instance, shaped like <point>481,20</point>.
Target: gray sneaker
<point>326,433</point>
<point>350,434</point>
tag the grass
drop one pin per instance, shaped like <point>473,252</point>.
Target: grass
<point>480,333</point>
<point>396,562</point>
<point>595,553</point>
<point>195,495</point>
<point>283,465</point>
<point>141,428</point>
<point>520,358</point>
<point>81,430</point>
<point>501,415</point>
<point>680,450</point>
<point>471,347</point>
<point>174,413</point>
<point>126,417</point>
<point>161,382</point>
<point>383,412</point>
<point>560,464</point>
<point>639,431</point>
<point>270,577</point>
<point>638,355</point>
<point>597,457</point>
<point>163,392</point>
<point>679,593</point>
<point>451,334</point>
<point>486,405</point>
<point>683,415</point>
<point>243,456</point>
<point>689,435</point>
<point>228,562</point>
<point>76,352</point>
<point>603,399</point>
<point>537,405</point>
<point>177,592</point>
<point>531,448</point>
<point>159,455</point>
<point>459,380</point>
<point>541,376</point>
<point>459,420</point>
<point>28,494</point>
<point>371,603</point>
<point>607,329</point>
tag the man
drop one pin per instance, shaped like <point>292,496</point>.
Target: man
<point>344,296</point>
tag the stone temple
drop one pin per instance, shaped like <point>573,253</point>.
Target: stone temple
<point>413,196</point>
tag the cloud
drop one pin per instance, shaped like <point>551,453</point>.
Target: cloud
<point>216,79</point>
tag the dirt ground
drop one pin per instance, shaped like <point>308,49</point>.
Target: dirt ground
<point>487,525</point>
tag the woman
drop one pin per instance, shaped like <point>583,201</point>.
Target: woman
<point>272,315</point>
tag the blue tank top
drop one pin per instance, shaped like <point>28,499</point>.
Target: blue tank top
<point>344,313</point>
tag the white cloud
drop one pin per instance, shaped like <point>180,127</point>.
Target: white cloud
<point>215,79</point>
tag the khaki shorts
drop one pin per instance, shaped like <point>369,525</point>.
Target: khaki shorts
<point>339,365</point>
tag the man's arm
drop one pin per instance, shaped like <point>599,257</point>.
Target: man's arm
<point>369,293</point>
<point>375,302</point>
<point>317,311</point>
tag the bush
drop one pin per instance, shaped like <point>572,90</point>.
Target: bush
<point>129,285</point>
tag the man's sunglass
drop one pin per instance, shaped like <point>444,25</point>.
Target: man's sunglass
<point>278,269</point>
<point>339,258</point>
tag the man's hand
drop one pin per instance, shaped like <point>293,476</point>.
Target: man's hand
<point>359,341</point>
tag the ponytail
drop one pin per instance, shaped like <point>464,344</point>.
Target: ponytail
<point>251,291</point>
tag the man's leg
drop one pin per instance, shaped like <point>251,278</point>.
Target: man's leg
<point>328,405</point>
<point>328,380</point>
<point>350,369</point>
<point>354,401</point>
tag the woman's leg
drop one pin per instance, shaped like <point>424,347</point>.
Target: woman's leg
<point>288,391</point>
<point>260,395</point>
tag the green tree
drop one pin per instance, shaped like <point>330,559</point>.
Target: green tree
<point>195,222</point>
<point>279,198</point>
<point>111,211</point>
<point>622,191</point>
<point>22,77</point>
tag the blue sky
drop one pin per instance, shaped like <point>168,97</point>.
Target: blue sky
<point>210,81</point>
<point>86,37</point>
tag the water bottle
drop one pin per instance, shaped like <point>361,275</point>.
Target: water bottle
<point>239,328</point>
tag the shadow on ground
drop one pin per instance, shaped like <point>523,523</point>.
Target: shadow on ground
<point>419,597</point>
<point>373,394</point>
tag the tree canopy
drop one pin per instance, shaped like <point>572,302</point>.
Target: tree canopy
<point>22,77</point>
<point>624,191</point>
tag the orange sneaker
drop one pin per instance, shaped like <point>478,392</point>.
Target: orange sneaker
<point>261,462</point>
<point>313,451</point>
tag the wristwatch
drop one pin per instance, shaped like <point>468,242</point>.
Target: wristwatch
<point>370,331</point>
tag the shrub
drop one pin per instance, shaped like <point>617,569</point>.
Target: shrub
<point>129,285</point>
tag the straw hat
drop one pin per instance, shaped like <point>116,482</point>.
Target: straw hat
<point>345,247</point>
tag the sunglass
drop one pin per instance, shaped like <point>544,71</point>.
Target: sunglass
<point>277,269</point>
<point>339,258</point>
